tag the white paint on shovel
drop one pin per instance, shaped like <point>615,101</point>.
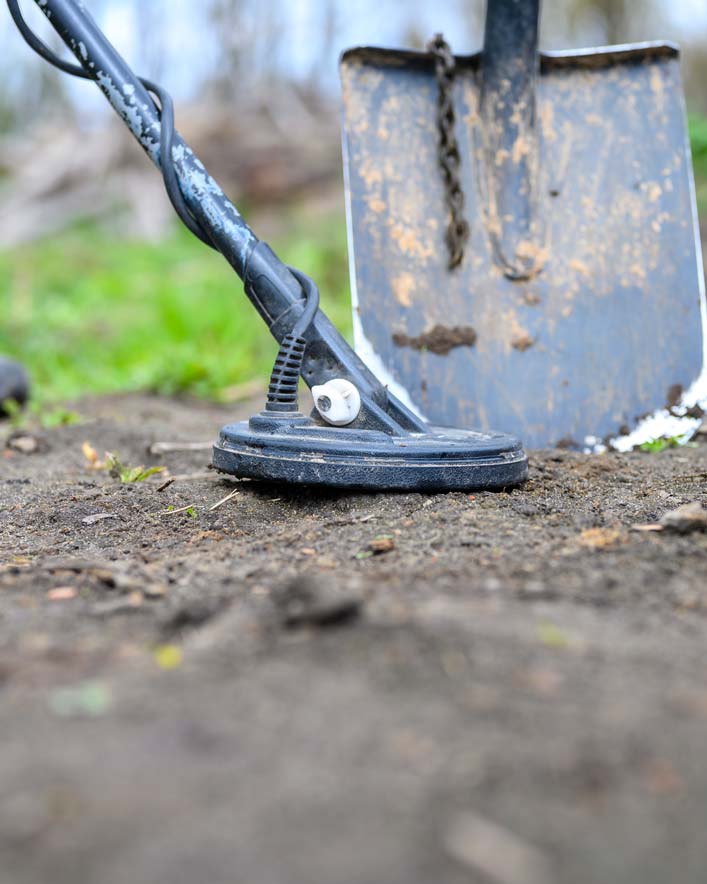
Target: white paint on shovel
<point>364,348</point>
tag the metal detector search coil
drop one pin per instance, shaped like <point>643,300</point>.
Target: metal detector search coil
<point>386,445</point>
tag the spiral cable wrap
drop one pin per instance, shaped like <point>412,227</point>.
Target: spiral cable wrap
<point>284,380</point>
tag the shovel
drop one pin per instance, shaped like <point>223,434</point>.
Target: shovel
<point>575,305</point>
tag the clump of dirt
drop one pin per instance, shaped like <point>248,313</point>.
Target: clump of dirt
<point>323,687</point>
<point>674,406</point>
<point>440,339</point>
<point>674,396</point>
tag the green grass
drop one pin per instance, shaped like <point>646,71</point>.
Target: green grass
<point>655,446</point>
<point>89,313</point>
<point>698,139</point>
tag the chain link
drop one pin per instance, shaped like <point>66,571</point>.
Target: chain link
<point>449,157</point>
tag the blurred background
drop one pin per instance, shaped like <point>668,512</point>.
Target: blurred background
<point>100,289</point>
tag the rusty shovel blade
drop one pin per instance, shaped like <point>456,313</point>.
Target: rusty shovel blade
<point>568,324</point>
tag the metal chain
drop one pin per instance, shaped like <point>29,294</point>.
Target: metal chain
<point>449,157</point>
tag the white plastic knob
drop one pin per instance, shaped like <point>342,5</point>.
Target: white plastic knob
<point>337,401</point>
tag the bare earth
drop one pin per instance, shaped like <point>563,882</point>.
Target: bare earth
<point>502,693</point>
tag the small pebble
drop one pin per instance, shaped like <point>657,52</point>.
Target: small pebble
<point>61,594</point>
<point>685,519</point>
<point>25,444</point>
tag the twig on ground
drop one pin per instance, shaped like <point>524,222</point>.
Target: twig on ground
<point>166,447</point>
<point>223,500</point>
<point>181,509</point>
<point>184,477</point>
<point>687,477</point>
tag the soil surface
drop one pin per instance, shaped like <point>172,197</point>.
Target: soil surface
<point>301,687</point>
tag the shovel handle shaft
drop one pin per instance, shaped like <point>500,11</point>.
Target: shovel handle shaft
<point>510,40</point>
<point>509,65</point>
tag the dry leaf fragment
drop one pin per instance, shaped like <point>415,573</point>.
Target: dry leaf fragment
<point>382,544</point>
<point>600,538</point>
<point>91,455</point>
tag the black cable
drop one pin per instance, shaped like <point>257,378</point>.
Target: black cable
<point>169,173</point>
<point>41,48</point>
<point>287,368</point>
<point>311,293</point>
<point>284,380</point>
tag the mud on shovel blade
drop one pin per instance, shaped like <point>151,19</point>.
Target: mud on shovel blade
<point>384,445</point>
<point>577,307</point>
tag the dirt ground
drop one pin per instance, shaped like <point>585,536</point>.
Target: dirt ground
<point>512,689</point>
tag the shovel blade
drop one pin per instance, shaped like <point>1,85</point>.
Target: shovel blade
<point>608,325</point>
